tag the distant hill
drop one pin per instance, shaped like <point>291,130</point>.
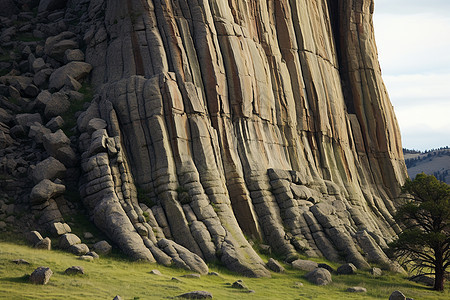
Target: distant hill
<point>433,162</point>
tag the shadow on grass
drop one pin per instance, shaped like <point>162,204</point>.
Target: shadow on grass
<point>22,279</point>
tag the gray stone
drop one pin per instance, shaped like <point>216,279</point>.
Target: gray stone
<point>74,270</point>
<point>38,64</point>
<point>59,228</point>
<point>357,289</point>
<point>58,49</point>
<point>50,5</point>
<point>197,276</point>
<point>86,258</point>
<point>20,261</point>
<point>155,272</point>
<point>88,235</point>
<point>327,267</point>
<point>196,295</point>
<point>305,265</point>
<point>376,272</point>
<point>346,269</point>
<point>117,297</point>
<point>78,249</point>
<point>102,248</point>
<point>239,284</point>
<point>275,266</point>
<point>5,117</point>
<point>37,132</point>
<point>54,141</point>
<point>423,279</point>
<point>319,276</point>
<point>33,237</point>
<point>71,84</point>
<point>44,244</point>
<point>41,275</point>
<point>57,105</point>
<point>67,240</point>
<point>50,168</point>
<point>31,91</point>
<point>397,295</point>
<point>76,69</point>
<point>27,119</point>
<point>45,190</point>
<point>73,55</point>
<point>93,254</point>
<point>55,123</point>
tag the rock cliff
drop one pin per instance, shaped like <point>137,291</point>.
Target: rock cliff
<point>216,123</point>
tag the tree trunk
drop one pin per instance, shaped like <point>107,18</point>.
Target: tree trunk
<point>439,272</point>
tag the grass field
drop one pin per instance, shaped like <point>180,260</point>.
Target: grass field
<point>110,276</point>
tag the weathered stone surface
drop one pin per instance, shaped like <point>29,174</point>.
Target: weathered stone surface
<point>397,295</point>
<point>44,244</point>
<point>50,168</point>
<point>41,275</point>
<point>78,249</point>
<point>376,272</point>
<point>234,121</point>
<point>346,269</point>
<point>102,247</point>
<point>357,289</point>
<point>50,5</point>
<point>33,237</point>
<point>67,240</point>
<point>74,270</point>
<point>45,190</point>
<point>319,276</point>
<point>305,265</point>
<point>275,266</point>
<point>20,261</point>
<point>75,69</point>
<point>59,228</point>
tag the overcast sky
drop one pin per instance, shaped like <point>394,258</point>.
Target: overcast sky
<point>413,40</point>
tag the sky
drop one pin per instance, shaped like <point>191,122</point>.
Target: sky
<point>413,41</point>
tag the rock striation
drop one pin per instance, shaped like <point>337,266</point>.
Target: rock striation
<point>218,122</point>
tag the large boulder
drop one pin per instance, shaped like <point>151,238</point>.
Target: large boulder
<point>57,105</point>
<point>44,244</point>
<point>346,269</point>
<point>50,168</point>
<point>67,240</point>
<point>75,69</point>
<point>27,119</point>
<point>304,265</point>
<point>33,237</point>
<point>41,275</point>
<point>45,190</point>
<point>102,247</point>
<point>78,249</point>
<point>275,266</point>
<point>397,295</point>
<point>59,228</point>
<point>319,276</point>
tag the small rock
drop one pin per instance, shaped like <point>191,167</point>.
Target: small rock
<point>55,123</point>
<point>319,276</point>
<point>102,247</point>
<point>357,289</point>
<point>117,297</point>
<point>176,279</point>
<point>20,261</point>
<point>33,237</point>
<point>305,265</point>
<point>79,249</point>
<point>86,258</point>
<point>423,280</point>
<point>346,269</point>
<point>327,267</point>
<point>88,235</point>
<point>155,272</point>
<point>73,55</point>
<point>275,266</point>
<point>376,272</point>
<point>191,275</point>
<point>59,228</point>
<point>239,284</point>
<point>196,295</point>
<point>265,249</point>
<point>41,275</point>
<point>397,295</point>
<point>93,254</point>
<point>44,244</point>
<point>74,270</point>
<point>213,274</point>
<point>67,240</point>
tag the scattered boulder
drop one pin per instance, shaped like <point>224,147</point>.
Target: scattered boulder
<point>93,254</point>
<point>376,272</point>
<point>79,249</point>
<point>45,190</point>
<point>76,69</point>
<point>55,123</point>
<point>319,276</point>
<point>397,295</point>
<point>155,272</point>
<point>50,168</point>
<point>33,237</point>
<point>88,235</point>
<point>86,258</point>
<point>41,275</point>
<point>44,244</point>
<point>275,266</point>
<point>27,119</point>
<point>346,269</point>
<point>197,276</point>
<point>59,228</point>
<point>74,270</point>
<point>327,267</point>
<point>67,240</point>
<point>102,248</point>
<point>304,265</point>
<point>20,261</point>
<point>213,274</point>
<point>196,295</point>
<point>117,297</point>
<point>57,105</point>
<point>357,289</point>
<point>239,284</point>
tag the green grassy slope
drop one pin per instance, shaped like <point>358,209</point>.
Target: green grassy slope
<point>110,276</point>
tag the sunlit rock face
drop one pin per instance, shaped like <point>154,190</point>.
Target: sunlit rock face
<point>218,122</point>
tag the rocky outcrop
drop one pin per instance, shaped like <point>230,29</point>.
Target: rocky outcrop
<point>218,122</point>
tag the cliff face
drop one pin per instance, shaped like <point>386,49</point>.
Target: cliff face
<point>221,119</point>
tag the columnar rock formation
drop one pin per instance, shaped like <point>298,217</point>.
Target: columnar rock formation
<point>263,118</point>
<point>215,123</point>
